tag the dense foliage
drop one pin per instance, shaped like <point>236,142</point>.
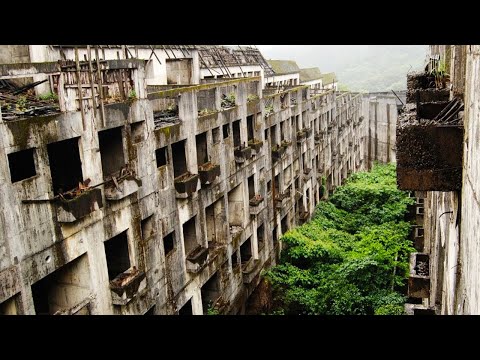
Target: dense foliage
<point>352,257</point>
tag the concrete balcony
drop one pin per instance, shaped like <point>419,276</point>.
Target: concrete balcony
<point>278,152</point>
<point>242,154</point>
<point>255,145</point>
<point>256,205</point>
<point>301,135</point>
<point>250,270</point>
<point>208,172</point>
<point>429,158</point>
<point>419,280</point>
<point>121,188</point>
<point>185,185</point>
<point>71,210</point>
<point>196,259</point>
<point>282,199</point>
<point>127,285</point>
<point>307,174</point>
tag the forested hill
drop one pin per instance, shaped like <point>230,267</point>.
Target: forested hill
<point>383,68</point>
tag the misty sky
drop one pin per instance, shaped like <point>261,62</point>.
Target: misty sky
<point>327,57</point>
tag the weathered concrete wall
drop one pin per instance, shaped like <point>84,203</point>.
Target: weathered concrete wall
<point>38,241</point>
<point>468,291</point>
<point>380,112</point>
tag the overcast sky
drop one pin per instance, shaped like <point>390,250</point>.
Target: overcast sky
<point>327,57</point>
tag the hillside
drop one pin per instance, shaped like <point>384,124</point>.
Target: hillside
<point>383,68</point>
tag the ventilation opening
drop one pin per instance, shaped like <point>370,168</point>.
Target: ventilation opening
<point>111,151</point>
<point>22,165</point>
<point>202,154</point>
<point>250,125</point>
<point>63,289</point>
<point>190,235</point>
<point>236,134</point>
<point>169,243</point>
<point>251,187</point>
<point>116,251</point>
<point>186,309</point>
<point>179,159</point>
<point>261,236</point>
<point>148,227</point>
<point>246,251</point>
<point>226,131</point>
<point>65,165</point>
<point>210,292</point>
<point>235,206</point>
<point>161,156</point>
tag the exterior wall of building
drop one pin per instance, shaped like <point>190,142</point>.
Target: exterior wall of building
<point>164,234</point>
<point>279,80</point>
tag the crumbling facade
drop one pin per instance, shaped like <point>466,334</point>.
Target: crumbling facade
<point>437,151</point>
<point>128,193</point>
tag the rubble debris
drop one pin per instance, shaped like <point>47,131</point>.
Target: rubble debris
<point>21,101</point>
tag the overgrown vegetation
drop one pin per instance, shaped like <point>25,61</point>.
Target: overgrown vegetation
<point>352,257</point>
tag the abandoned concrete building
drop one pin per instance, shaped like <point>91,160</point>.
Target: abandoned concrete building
<point>437,157</point>
<point>134,182</point>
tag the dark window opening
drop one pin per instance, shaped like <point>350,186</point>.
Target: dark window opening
<point>137,131</point>
<point>190,236</point>
<point>63,289</point>
<point>111,150</point>
<point>274,235</point>
<point>226,131</point>
<point>236,134</point>
<point>202,153</point>
<point>273,135</point>
<point>276,185</point>
<point>265,134</point>
<point>148,227</point>
<point>297,184</point>
<point>168,243</point>
<point>210,292</point>
<point>250,130</point>
<point>161,156</point>
<point>246,251</point>
<point>284,224</point>
<point>297,123</point>
<point>282,130</point>
<point>179,159</point>
<point>269,186</point>
<point>22,165</point>
<point>186,309</point>
<point>234,259</point>
<point>251,187</point>
<point>65,165</point>
<point>216,135</point>
<point>116,251</point>
<point>261,236</point>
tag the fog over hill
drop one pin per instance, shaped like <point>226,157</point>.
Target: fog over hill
<point>358,67</point>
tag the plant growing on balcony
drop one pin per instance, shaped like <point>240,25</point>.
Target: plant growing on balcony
<point>252,97</point>
<point>268,110</point>
<point>228,101</point>
<point>205,111</point>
